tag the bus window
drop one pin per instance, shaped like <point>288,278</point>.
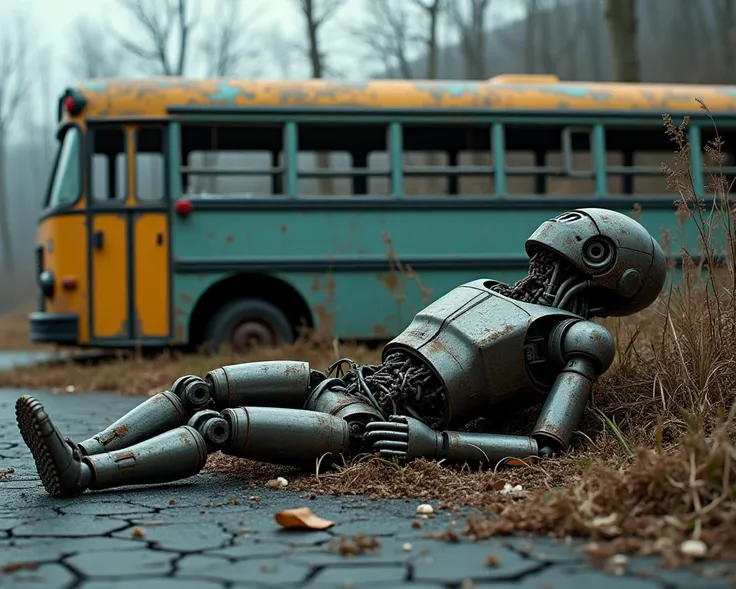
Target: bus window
<point>150,164</point>
<point>443,159</point>
<point>344,160</point>
<point>235,160</point>
<point>549,159</point>
<point>634,158</point>
<point>66,185</point>
<point>109,164</point>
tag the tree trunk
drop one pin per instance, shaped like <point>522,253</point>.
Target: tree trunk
<point>6,240</point>
<point>622,23</point>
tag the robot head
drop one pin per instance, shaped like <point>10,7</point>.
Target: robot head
<point>612,261</point>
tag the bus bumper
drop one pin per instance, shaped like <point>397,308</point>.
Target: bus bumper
<point>58,328</point>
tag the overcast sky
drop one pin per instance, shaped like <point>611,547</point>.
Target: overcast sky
<point>52,23</point>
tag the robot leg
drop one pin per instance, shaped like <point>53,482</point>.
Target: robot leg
<point>64,471</point>
<point>269,384</point>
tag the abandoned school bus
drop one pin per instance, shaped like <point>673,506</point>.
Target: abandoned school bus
<point>182,211</point>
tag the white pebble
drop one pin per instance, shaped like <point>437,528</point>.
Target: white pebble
<point>282,481</point>
<point>425,508</point>
<point>70,388</point>
<point>694,548</point>
<point>509,489</point>
<point>619,559</point>
<point>406,547</point>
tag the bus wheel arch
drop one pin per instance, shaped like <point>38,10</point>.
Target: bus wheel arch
<point>228,306</point>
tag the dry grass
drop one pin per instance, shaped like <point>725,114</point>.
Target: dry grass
<point>656,462</point>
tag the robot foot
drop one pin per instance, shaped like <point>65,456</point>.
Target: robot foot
<point>58,462</point>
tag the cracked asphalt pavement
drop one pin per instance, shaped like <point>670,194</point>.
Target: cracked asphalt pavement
<point>192,535</point>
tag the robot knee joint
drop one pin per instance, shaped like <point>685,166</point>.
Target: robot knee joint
<point>193,391</point>
<point>212,427</point>
<point>589,340</point>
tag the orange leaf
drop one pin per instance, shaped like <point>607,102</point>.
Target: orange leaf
<point>302,518</point>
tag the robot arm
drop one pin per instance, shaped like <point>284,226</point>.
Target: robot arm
<point>409,438</point>
<point>587,350</point>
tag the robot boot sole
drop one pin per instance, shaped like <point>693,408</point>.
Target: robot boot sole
<point>61,472</point>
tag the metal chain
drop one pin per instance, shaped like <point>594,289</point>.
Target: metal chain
<point>531,288</point>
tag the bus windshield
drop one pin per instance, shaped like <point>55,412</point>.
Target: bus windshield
<point>66,184</point>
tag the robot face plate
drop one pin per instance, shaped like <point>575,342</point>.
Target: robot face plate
<point>612,251</point>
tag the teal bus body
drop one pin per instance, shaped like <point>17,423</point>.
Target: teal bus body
<point>343,254</point>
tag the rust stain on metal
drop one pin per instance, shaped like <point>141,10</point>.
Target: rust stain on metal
<point>185,298</point>
<point>315,284</point>
<point>180,312</point>
<point>390,279</point>
<point>229,239</point>
<point>152,97</point>
<point>121,430</point>
<point>282,229</point>
<point>494,335</point>
<point>210,234</point>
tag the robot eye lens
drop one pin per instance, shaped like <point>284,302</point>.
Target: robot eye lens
<point>598,253</point>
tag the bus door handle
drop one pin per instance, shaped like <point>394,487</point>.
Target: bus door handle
<point>98,240</point>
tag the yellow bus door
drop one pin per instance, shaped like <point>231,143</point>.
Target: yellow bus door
<point>151,279</point>
<point>109,243</point>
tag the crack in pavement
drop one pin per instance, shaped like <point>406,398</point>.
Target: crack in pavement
<point>191,535</point>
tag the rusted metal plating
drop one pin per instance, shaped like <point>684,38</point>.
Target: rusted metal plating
<point>482,350</point>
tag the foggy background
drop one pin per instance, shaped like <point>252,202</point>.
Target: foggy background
<point>46,45</point>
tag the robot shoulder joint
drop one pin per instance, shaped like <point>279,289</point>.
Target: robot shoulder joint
<point>589,340</point>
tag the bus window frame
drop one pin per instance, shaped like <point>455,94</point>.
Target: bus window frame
<point>108,203</point>
<point>164,126</point>
<point>61,133</point>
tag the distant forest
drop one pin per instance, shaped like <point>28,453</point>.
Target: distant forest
<point>688,41</point>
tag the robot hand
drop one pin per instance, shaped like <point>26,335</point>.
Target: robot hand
<point>403,437</point>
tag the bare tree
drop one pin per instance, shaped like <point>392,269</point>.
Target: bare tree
<point>432,10</point>
<point>315,14</point>
<point>229,40</point>
<point>388,36</point>
<point>471,28</point>
<point>622,22</point>
<point>163,23</point>
<point>14,85</point>
<point>93,54</point>
<point>282,50</point>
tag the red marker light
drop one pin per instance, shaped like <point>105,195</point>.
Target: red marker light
<point>184,207</point>
<point>69,104</point>
<point>68,283</point>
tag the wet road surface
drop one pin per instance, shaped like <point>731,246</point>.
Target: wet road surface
<point>141,539</point>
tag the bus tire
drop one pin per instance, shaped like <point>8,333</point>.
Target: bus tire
<point>245,324</point>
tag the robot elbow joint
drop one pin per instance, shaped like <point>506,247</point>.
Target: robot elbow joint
<point>589,340</point>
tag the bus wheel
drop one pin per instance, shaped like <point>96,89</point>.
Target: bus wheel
<point>249,323</point>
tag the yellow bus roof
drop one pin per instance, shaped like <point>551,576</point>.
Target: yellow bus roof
<point>152,97</point>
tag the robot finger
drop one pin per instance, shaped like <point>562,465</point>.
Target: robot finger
<point>387,435</point>
<point>390,445</point>
<point>391,454</point>
<point>398,419</point>
<point>387,426</point>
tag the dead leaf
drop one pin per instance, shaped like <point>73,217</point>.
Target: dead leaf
<point>303,518</point>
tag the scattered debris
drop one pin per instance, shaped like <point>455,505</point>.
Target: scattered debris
<point>425,509</point>
<point>492,561</point>
<point>277,483</point>
<point>359,544</point>
<point>616,565</point>
<point>11,567</point>
<point>138,533</point>
<point>406,547</point>
<point>4,474</point>
<point>234,501</point>
<point>694,548</point>
<point>71,388</point>
<point>302,518</point>
<point>172,501</point>
<point>512,490</point>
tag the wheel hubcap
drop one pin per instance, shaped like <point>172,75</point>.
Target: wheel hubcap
<point>250,334</point>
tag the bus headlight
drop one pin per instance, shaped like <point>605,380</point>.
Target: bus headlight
<point>46,282</point>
